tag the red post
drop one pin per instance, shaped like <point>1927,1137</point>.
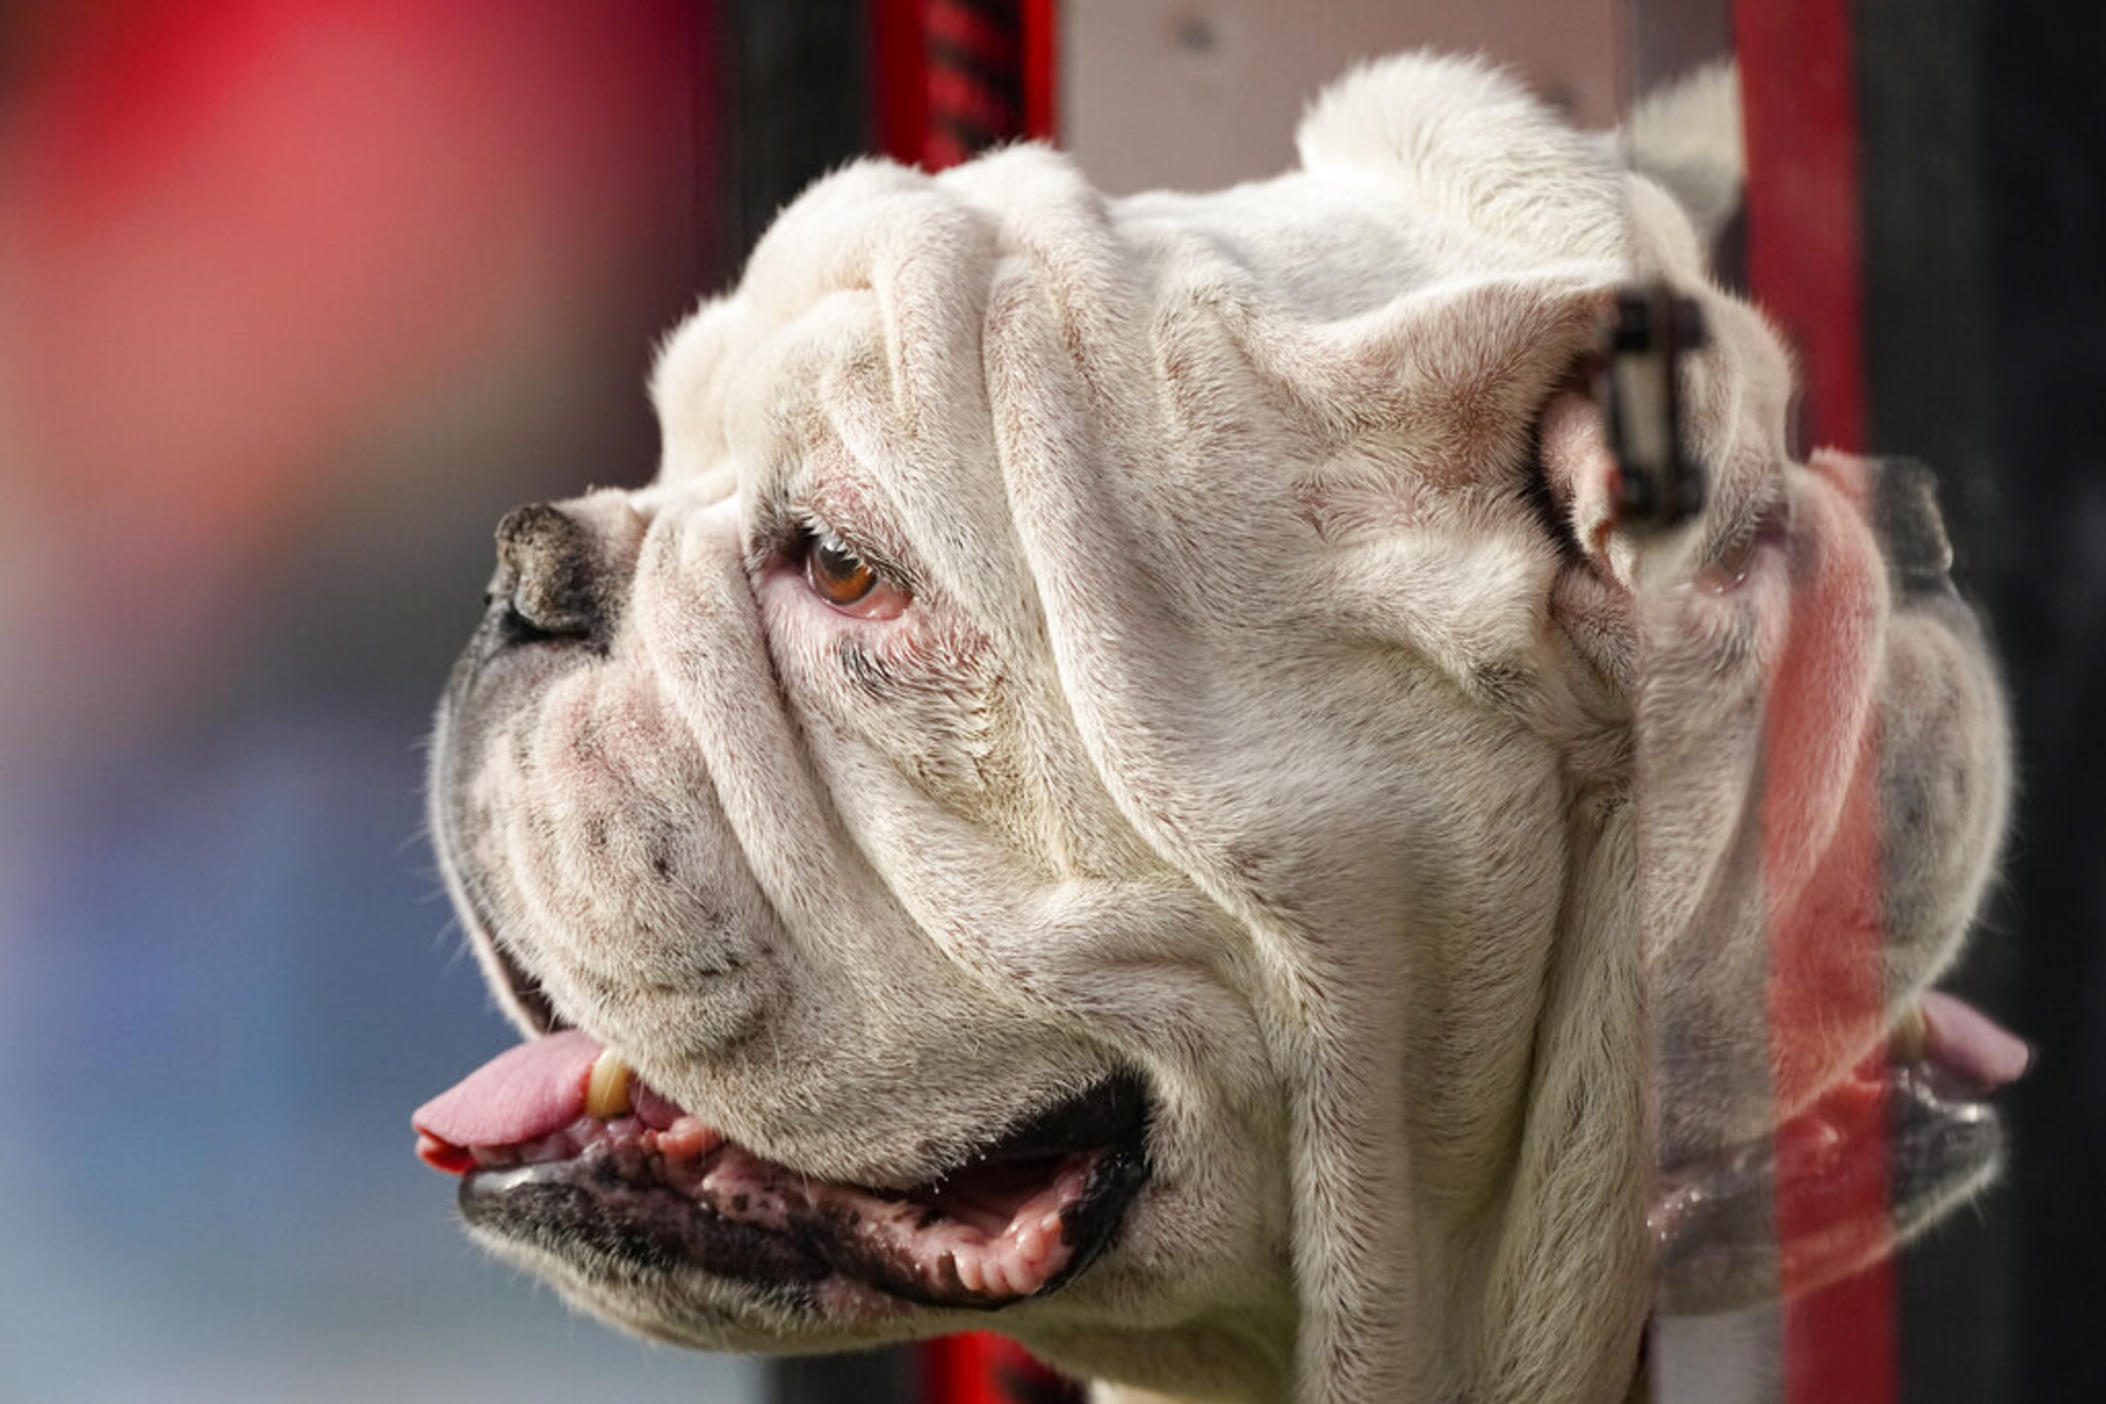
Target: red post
<point>1805,268</point>
<point>956,76</point>
<point>1805,258</point>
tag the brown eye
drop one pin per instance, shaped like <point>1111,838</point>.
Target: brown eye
<point>836,575</point>
<point>848,583</point>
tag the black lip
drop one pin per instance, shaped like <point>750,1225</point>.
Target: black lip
<point>1713,1226</point>
<point>586,1208</point>
<point>455,737</point>
<point>610,1216</point>
<point>1089,1227</point>
<point>1113,1112</point>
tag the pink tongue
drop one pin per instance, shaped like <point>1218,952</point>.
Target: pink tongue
<point>1971,1043</point>
<point>521,1094</point>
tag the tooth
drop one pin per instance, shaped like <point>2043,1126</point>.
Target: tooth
<point>607,1090</point>
<point>1906,1043</point>
<point>1021,1278</point>
<point>1031,1245</point>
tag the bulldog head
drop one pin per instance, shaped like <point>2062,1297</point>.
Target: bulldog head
<point>1126,773</point>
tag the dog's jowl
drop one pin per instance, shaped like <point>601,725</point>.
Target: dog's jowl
<point>1128,783</point>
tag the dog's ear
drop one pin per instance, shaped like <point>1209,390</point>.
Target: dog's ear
<point>1447,374</point>
<point>1467,146</point>
<point>1464,140</point>
<point>1685,136</point>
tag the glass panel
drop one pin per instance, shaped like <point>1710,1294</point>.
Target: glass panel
<point>1824,758</point>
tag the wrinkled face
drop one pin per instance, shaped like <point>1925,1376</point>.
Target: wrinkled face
<point>764,781</point>
<point>948,952</point>
<point>1102,780</point>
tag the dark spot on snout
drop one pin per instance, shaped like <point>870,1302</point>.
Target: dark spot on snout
<point>867,674</point>
<point>1502,684</point>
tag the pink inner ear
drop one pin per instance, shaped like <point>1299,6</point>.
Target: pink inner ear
<point>1582,472</point>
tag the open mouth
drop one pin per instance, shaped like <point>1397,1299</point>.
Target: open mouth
<point>1877,1156</point>
<point>559,1144</point>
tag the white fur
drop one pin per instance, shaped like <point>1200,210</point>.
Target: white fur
<point>1247,729</point>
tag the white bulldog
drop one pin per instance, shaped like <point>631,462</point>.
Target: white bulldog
<point>1128,775</point>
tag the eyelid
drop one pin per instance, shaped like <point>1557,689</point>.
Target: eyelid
<point>806,528</point>
<point>819,534</point>
<point>789,514</point>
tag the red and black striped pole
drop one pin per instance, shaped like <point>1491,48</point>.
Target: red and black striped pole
<point>957,76</point>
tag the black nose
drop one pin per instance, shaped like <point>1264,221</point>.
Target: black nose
<point>548,577</point>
